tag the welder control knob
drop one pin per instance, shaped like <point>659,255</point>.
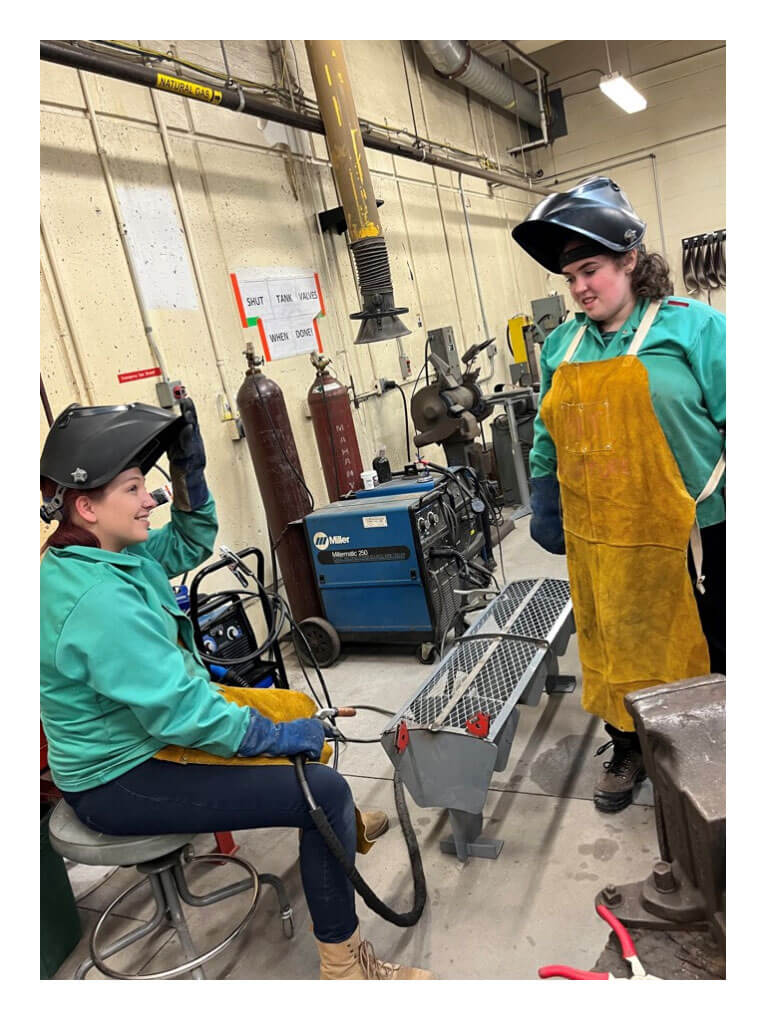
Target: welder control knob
<point>432,518</point>
<point>422,526</point>
<point>233,632</point>
<point>209,645</point>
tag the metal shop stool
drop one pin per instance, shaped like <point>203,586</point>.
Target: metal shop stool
<point>162,860</point>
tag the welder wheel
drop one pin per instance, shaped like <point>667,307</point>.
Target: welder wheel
<point>426,653</point>
<point>323,640</point>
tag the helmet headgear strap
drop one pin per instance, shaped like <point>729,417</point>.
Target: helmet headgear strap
<point>51,508</point>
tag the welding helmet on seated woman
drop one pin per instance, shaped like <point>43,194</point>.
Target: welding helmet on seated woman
<point>89,446</point>
<point>596,212</point>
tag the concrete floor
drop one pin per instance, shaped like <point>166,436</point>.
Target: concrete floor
<point>484,919</point>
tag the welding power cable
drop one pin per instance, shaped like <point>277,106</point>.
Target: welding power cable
<point>403,920</point>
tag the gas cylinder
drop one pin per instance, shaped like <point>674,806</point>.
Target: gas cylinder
<point>334,429</point>
<point>286,498</point>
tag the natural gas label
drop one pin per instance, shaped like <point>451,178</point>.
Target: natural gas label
<point>188,88</point>
<point>376,554</point>
<point>375,522</point>
<point>284,305</point>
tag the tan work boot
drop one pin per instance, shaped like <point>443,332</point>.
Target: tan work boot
<point>354,960</point>
<point>375,823</point>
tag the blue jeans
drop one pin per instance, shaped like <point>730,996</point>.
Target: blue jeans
<point>163,797</point>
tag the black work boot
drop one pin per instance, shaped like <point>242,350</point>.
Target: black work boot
<point>614,790</point>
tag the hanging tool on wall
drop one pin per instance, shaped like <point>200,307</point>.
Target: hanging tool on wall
<point>704,261</point>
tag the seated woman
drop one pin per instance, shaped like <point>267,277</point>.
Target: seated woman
<point>121,679</point>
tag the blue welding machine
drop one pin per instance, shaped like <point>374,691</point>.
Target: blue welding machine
<point>387,562</point>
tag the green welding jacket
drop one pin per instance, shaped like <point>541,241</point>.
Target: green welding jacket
<point>684,354</point>
<point>119,674</point>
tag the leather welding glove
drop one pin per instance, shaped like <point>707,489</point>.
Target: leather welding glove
<point>546,526</point>
<point>187,462</point>
<point>279,740</point>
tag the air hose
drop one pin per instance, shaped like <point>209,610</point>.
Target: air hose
<point>405,920</point>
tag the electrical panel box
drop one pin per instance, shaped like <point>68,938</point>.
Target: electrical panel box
<point>442,343</point>
<point>548,312</point>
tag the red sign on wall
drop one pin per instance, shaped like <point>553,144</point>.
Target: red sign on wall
<point>144,373</point>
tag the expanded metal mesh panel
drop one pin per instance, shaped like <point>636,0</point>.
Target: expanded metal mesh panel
<point>493,671</point>
<point>539,615</point>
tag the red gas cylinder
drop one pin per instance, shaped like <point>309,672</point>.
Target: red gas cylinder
<point>334,429</point>
<point>285,495</point>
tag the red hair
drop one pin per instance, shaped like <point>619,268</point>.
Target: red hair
<point>67,532</point>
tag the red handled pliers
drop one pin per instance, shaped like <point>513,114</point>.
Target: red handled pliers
<point>628,954</point>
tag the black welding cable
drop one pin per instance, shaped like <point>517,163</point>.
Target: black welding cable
<point>403,920</point>
<point>406,421</point>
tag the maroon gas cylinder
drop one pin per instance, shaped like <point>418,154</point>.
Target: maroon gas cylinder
<point>280,480</point>
<point>335,435</point>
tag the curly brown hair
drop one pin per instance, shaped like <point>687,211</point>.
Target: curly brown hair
<point>651,276</point>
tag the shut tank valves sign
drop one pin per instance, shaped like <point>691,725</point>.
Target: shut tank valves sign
<point>284,305</point>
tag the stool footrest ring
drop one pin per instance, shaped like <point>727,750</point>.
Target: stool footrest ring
<point>172,871</point>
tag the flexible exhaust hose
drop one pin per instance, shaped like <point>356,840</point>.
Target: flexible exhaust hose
<point>405,920</point>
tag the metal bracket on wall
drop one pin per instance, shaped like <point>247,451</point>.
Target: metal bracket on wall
<point>335,219</point>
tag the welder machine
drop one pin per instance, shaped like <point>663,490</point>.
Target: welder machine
<point>223,632</point>
<point>391,562</point>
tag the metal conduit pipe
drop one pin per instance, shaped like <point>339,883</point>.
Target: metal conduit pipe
<point>195,260</point>
<point>458,62</point>
<point>235,98</point>
<point>486,378</point>
<point>123,231</point>
<point>68,318</point>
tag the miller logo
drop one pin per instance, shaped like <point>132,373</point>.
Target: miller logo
<point>322,541</point>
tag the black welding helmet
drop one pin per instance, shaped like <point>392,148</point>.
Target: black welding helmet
<point>89,446</point>
<point>597,212</point>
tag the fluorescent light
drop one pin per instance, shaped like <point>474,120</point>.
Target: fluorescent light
<point>620,91</point>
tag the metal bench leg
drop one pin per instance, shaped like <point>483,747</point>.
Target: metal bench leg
<point>179,922</point>
<point>466,839</point>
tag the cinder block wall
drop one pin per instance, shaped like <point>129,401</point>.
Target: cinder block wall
<point>252,191</point>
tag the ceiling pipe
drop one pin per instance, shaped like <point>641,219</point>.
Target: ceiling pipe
<point>329,71</point>
<point>235,98</point>
<point>458,62</point>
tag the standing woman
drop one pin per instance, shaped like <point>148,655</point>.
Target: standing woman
<point>140,742</point>
<point>627,466</point>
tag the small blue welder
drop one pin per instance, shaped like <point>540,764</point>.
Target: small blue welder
<point>388,562</point>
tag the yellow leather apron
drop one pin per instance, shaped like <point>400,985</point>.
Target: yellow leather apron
<point>279,706</point>
<point>627,518</point>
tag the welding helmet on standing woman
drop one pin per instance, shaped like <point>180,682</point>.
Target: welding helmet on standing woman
<point>89,446</point>
<point>597,212</point>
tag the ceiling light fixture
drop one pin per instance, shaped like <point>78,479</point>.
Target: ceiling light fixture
<point>620,91</point>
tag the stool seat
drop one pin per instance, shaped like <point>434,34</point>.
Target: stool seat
<point>75,841</point>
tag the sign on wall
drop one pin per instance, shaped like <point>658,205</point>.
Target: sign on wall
<point>157,246</point>
<point>283,305</point>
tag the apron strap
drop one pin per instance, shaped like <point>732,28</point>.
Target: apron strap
<point>695,539</point>
<point>575,343</point>
<point>644,326</point>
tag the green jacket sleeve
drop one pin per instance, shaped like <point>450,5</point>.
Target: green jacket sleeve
<point>542,457</point>
<point>185,541</point>
<point>136,664</point>
<point>708,364</point>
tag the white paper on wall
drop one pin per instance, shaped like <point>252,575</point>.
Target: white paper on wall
<point>158,247</point>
